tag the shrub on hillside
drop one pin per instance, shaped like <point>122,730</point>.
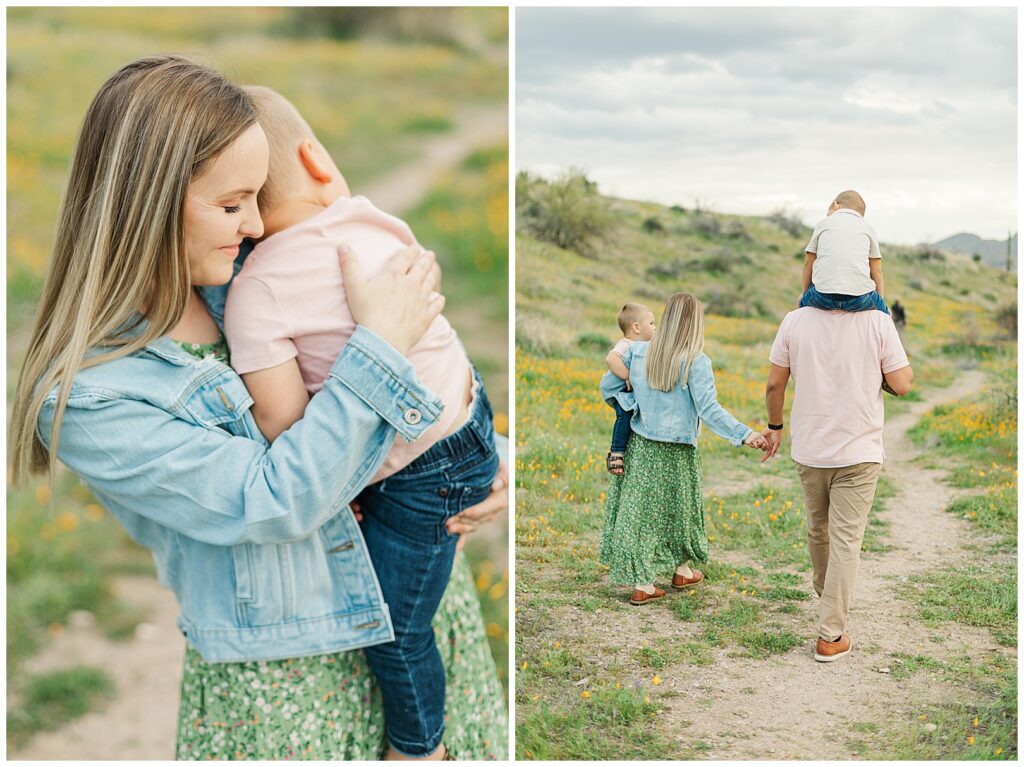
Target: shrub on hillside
<point>1006,318</point>
<point>924,253</point>
<point>653,226</point>
<point>736,231</point>
<point>706,225</point>
<point>673,269</point>
<point>731,303</point>
<point>789,223</point>
<point>566,212</point>
<point>677,209</point>
<point>440,26</point>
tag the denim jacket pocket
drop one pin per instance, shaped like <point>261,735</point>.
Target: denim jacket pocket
<point>221,400</point>
<point>244,580</point>
<point>356,585</point>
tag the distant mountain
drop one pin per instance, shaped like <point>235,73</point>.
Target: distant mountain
<point>992,252</point>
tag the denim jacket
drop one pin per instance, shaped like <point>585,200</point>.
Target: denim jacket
<point>256,541</point>
<point>674,416</point>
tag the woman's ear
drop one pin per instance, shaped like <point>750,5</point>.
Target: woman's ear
<point>312,159</point>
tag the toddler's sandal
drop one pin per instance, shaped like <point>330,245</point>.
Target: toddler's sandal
<point>615,464</point>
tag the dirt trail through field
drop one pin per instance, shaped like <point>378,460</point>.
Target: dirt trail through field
<point>790,707</point>
<point>139,723</point>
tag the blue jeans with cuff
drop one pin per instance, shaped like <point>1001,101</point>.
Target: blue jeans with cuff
<point>621,430</point>
<point>842,302</point>
<point>404,518</point>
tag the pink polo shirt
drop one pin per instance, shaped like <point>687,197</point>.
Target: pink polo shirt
<point>836,360</point>
<point>288,302</point>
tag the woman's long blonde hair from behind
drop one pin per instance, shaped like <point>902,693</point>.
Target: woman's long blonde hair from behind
<point>119,247</point>
<point>678,342</point>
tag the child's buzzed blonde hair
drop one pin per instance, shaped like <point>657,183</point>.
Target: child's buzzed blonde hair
<point>631,313</point>
<point>851,199</point>
<point>286,129</point>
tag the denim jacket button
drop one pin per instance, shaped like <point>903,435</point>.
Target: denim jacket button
<point>412,416</point>
<point>443,492</point>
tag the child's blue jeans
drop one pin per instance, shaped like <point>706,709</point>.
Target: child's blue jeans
<point>845,303</point>
<point>621,429</point>
<point>404,519</point>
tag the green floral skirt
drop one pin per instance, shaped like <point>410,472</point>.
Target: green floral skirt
<point>654,515</point>
<point>329,707</point>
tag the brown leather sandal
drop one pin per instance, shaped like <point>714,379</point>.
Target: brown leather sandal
<point>641,597</point>
<point>681,581</point>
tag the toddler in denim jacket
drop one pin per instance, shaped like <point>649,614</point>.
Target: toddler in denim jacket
<point>286,320</point>
<point>636,322</point>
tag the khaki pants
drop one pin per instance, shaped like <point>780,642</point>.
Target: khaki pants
<point>838,501</point>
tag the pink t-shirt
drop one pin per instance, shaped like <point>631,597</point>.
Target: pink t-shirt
<point>621,346</point>
<point>287,302</point>
<point>837,360</point>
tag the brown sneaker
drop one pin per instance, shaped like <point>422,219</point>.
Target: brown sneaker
<point>826,651</point>
<point>681,582</point>
<point>641,597</point>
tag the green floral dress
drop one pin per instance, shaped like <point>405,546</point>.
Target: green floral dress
<point>654,515</point>
<point>328,707</point>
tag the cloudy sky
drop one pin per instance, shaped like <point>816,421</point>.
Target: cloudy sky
<point>754,109</point>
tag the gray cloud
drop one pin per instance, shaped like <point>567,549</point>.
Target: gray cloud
<point>758,107</point>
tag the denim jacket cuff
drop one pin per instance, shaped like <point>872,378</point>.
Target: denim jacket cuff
<point>742,432</point>
<point>387,382</point>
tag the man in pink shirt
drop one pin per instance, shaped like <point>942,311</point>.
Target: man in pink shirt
<point>838,361</point>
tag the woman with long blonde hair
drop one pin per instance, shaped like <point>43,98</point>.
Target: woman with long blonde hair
<point>654,515</point>
<point>125,381</point>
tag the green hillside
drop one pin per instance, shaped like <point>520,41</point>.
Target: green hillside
<point>741,267</point>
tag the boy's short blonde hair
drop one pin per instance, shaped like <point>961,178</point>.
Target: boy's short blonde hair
<point>631,313</point>
<point>286,129</point>
<point>851,199</point>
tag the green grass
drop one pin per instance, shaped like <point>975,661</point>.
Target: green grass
<point>980,724</point>
<point>612,724</point>
<point>49,701</point>
<point>63,562</point>
<point>981,595</point>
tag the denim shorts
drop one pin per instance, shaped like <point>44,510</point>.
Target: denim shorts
<point>843,302</point>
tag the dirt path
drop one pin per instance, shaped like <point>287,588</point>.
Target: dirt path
<point>400,190</point>
<point>139,723</point>
<point>788,706</point>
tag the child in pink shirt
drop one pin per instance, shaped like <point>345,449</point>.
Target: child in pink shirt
<point>285,322</point>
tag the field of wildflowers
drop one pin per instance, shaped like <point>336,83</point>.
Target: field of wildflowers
<point>373,102</point>
<point>593,694</point>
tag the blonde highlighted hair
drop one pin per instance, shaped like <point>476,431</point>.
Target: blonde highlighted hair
<point>119,246</point>
<point>678,342</point>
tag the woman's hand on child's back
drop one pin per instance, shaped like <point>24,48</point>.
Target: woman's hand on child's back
<point>400,302</point>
